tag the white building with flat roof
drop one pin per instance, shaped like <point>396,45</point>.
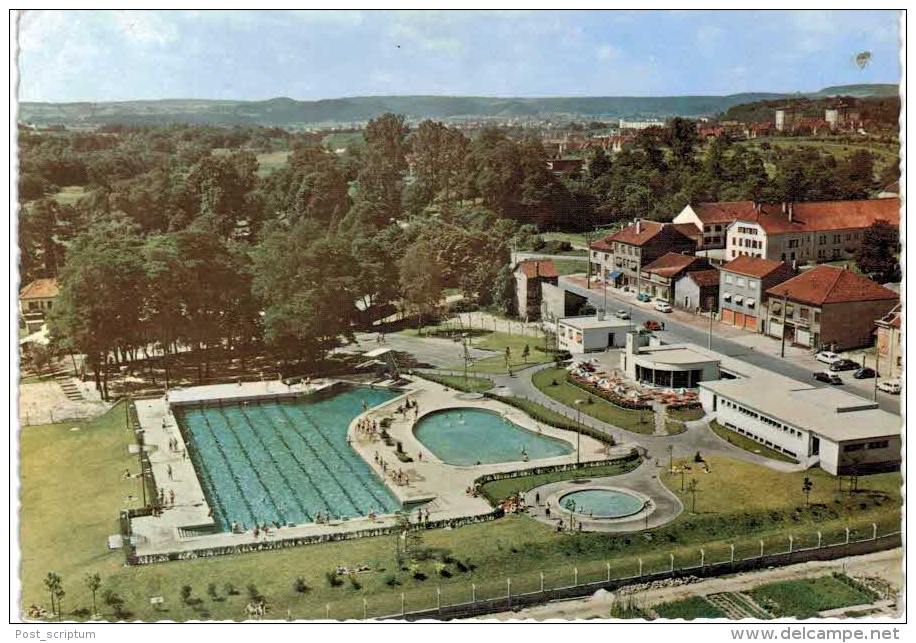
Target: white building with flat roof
<point>592,333</point>
<point>843,433</point>
<point>649,361</point>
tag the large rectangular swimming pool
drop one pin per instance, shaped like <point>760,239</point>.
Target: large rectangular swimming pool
<point>283,462</point>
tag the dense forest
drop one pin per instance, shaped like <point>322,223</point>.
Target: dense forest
<point>181,240</point>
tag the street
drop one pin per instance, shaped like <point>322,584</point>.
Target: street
<point>753,348</point>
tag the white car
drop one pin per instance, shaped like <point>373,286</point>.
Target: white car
<point>622,314</point>
<point>662,306</point>
<point>890,386</point>
<point>827,357</point>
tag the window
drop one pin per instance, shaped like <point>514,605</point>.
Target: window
<point>751,283</point>
<point>848,237</point>
<point>803,312</point>
<point>728,278</point>
<point>817,316</point>
<point>852,447</point>
<point>822,240</point>
<point>880,444</point>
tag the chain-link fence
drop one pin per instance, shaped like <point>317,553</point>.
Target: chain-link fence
<point>452,598</point>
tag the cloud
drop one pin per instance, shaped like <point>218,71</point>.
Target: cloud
<point>145,27</point>
<point>607,52</point>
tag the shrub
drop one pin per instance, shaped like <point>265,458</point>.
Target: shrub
<point>300,586</point>
<point>354,582</point>
<point>185,593</point>
<point>333,579</point>
<point>419,575</point>
<point>254,594</point>
<point>211,591</point>
<point>391,580</point>
<point>230,589</point>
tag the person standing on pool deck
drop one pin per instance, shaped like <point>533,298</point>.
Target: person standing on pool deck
<point>537,498</point>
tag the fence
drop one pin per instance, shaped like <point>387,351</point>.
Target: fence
<point>465,600</point>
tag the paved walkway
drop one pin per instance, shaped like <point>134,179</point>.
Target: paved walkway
<point>644,481</point>
<point>697,437</point>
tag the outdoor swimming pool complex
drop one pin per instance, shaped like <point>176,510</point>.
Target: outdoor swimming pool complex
<point>284,461</point>
<point>602,503</point>
<point>470,436</point>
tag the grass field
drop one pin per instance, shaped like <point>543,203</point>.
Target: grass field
<point>747,444</point>
<point>339,140</point>
<point>498,342</point>
<point>271,161</point>
<point>566,393</point>
<point>70,194</point>
<point>471,384</point>
<point>689,609</point>
<point>805,598</point>
<point>579,239</point>
<point>685,415</point>
<point>72,491</point>
<point>501,489</point>
<point>570,266</point>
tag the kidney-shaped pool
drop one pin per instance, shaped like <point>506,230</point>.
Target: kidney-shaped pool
<point>477,436</point>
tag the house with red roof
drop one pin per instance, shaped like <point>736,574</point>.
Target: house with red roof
<point>658,278</point>
<point>529,275</point>
<point>743,283</point>
<point>888,344</point>
<point>697,291</point>
<point>35,301</point>
<point>713,219</point>
<point>619,258</point>
<point>827,306</point>
<point>805,232</point>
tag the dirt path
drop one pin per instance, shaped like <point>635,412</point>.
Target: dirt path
<point>886,565</point>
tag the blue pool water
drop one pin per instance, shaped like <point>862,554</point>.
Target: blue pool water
<point>285,461</point>
<point>601,503</point>
<point>468,436</point>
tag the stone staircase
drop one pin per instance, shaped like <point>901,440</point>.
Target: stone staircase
<point>69,387</point>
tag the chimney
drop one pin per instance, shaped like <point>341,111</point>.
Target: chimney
<point>785,207</point>
<point>758,206</point>
<point>791,212</point>
<point>638,226</point>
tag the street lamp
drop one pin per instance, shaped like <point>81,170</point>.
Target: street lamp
<point>578,427</point>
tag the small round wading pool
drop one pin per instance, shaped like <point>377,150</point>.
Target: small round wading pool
<point>602,503</point>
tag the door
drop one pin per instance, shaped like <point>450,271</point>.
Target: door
<point>739,319</point>
<point>728,315</point>
<point>610,340</point>
<point>750,322</point>
<point>687,303</point>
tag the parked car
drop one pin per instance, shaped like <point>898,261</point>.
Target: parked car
<point>622,314</point>
<point>864,373</point>
<point>827,357</point>
<point>643,297</point>
<point>845,365</point>
<point>828,378</point>
<point>651,324</point>
<point>890,386</point>
<point>662,306</point>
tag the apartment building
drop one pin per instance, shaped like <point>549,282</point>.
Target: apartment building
<point>619,258</point>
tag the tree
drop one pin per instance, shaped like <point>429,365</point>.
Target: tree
<point>381,180</point>
<point>692,489</point>
<point>52,583</point>
<point>93,583</point>
<point>877,255</point>
<point>807,485</point>
<point>420,279</point>
<point>102,285</point>
<point>681,136</point>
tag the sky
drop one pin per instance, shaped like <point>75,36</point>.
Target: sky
<point>306,55</point>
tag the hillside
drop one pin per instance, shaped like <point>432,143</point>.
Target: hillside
<point>290,112</point>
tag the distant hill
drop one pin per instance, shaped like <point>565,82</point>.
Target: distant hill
<point>289,112</point>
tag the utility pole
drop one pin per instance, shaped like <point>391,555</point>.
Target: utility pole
<point>877,374</point>
<point>588,251</point>
<point>709,301</point>
<point>782,346</point>
<point>578,427</point>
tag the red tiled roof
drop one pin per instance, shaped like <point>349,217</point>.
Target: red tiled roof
<point>831,285</point>
<point>752,266</point>
<point>601,244</point>
<point>704,278</point>
<point>722,211</point>
<point>40,289</point>
<point>538,268</point>
<point>822,216</point>
<point>648,230</point>
<point>689,230</point>
<point>671,263</point>
<point>892,319</point>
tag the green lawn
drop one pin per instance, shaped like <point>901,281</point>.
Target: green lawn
<point>471,384</point>
<point>70,194</point>
<point>498,342</point>
<point>566,393</point>
<point>748,444</point>
<point>578,238</point>
<point>673,427</point>
<point>339,140</point>
<point>271,161</point>
<point>499,490</point>
<point>689,609</point>
<point>685,415</point>
<point>570,266</point>
<point>805,598</point>
<point>72,491</point>
<point>541,413</point>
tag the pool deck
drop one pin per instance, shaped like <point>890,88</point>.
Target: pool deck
<point>441,488</point>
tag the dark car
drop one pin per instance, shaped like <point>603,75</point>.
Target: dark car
<point>651,324</point>
<point>844,365</point>
<point>828,378</point>
<point>864,373</point>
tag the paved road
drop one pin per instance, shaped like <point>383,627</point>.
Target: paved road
<point>676,331</point>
